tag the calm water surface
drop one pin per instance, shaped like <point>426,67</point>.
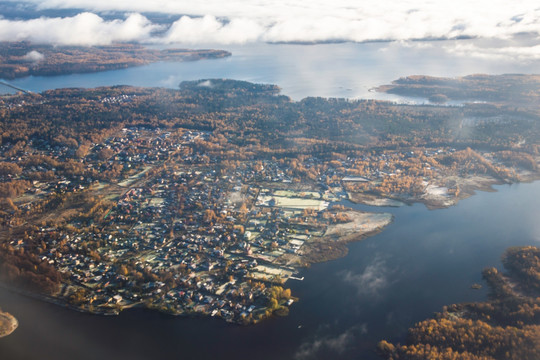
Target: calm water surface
<point>329,70</point>
<point>422,261</point>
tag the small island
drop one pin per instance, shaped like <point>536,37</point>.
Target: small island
<point>8,324</point>
<point>21,59</point>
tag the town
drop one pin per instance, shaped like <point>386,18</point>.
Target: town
<point>195,217</point>
<point>182,235</point>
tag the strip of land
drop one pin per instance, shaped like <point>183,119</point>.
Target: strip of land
<point>517,89</point>
<point>21,59</point>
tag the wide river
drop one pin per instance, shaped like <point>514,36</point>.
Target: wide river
<point>422,261</point>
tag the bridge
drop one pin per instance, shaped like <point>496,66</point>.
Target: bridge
<point>5,83</point>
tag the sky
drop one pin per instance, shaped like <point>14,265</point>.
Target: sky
<point>506,28</point>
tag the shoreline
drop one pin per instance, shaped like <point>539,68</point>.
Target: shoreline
<point>333,244</point>
<point>469,187</point>
<point>68,60</point>
<point>316,252</point>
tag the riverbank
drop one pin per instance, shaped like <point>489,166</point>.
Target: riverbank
<point>333,244</point>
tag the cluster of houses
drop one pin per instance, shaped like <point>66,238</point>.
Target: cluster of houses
<point>188,238</point>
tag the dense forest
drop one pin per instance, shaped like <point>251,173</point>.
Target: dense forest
<point>20,59</point>
<point>504,327</point>
<point>257,118</point>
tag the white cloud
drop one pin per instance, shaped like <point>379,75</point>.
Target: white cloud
<point>33,56</point>
<point>363,328</point>
<point>83,29</point>
<point>522,53</point>
<point>372,280</point>
<point>210,30</point>
<point>336,344</point>
<point>206,83</point>
<point>242,21</point>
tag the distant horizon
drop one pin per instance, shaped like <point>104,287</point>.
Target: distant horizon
<point>505,31</point>
<point>345,70</point>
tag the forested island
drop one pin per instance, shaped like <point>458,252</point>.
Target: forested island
<point>21,59</point>
<point>207,199</point>
<point>507,326</point>
<point>8,324</point>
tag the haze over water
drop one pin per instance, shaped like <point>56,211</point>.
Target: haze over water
<point>329,70</point>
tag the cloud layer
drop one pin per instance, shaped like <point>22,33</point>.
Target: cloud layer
<point>244,21</point>
<point>83,29</point>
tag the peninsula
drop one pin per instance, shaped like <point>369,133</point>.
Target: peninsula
<point>207,199</point>
<point>21,59</point>
<point>508,89</point>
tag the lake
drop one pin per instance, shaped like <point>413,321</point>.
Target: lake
<point>328,70</point>
<point>422,261</point>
